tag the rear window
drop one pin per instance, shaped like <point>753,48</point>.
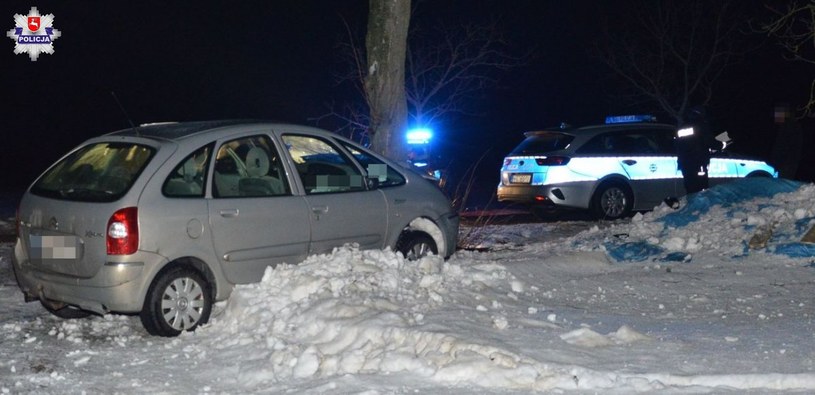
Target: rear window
<point>101,172</point>
<point>541,143</point>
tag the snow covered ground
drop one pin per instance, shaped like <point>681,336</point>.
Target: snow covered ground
<point>669,302</point>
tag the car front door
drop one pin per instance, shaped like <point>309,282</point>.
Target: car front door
<point>342,208</point>
<point>256,219</point>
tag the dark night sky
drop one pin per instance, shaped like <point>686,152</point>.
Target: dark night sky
<point>194,60</point>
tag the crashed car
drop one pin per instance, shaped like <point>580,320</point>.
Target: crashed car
<point>164,220</point>
<point>628,164</point>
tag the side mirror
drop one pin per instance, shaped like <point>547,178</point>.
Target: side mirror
<point>373,182</point>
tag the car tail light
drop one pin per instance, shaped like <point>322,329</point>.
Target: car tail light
<point>552,161</point>
<point>123,232</point>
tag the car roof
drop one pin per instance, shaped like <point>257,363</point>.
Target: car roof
<point>602,128</point>
<point>177,131</point>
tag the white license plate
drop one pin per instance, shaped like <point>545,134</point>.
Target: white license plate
<point>520,178</point>
<point>53,247</point>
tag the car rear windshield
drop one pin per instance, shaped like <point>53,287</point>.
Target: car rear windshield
<point>541,143</point>
<point>100,172</point>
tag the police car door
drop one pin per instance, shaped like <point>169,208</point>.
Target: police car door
<point>647,157</point>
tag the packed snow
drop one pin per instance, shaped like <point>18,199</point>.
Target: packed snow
<point>665,302</point>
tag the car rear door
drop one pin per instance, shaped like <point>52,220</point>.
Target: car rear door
<point>256,219</point>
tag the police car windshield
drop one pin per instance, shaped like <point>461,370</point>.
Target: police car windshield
<point>542,142</point>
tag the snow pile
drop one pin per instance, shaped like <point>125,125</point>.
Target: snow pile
<point>548,310</point>
<point>733,220</point>
<point>362,312</point>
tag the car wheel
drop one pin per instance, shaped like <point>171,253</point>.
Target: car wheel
<point>416,245</point>
<point>178,300</point>
<point>66,312</point>
<point>612,200</point>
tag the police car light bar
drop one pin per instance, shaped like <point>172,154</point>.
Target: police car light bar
<point>630,118</point>
<point>419,136</point>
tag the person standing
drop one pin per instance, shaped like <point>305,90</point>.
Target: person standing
<point>786,153</point>
<point>694,143</point>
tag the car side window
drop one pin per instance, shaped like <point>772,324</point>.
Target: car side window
<point>249,167</point>
<point>188,178</point>
<point>321,166</point>
<point>664,141</point>
<point>633,143</point>
<point>384,175</point>
<point>603,144</point>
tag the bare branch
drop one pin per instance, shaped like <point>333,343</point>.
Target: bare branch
<point>672,53</point>
<point>794,27</point>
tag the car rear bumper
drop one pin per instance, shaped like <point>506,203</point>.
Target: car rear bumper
<point>573,195</point>
<point>116,287</point>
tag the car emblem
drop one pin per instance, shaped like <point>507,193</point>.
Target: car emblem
<point>653,168</point>
<point>91,233</point>
<point>54,223</point>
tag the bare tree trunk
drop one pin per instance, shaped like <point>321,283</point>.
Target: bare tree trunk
<point>386,45</point>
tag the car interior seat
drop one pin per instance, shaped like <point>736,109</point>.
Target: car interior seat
<point>258,182</point>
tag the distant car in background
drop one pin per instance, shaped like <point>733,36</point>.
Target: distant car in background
<point>628,164</point>
<point>163,220</point>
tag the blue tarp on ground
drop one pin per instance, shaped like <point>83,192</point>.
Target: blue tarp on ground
<point>795,250</point>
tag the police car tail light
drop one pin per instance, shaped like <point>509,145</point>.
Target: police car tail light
<point>123,232</point>
<point>552,161</point>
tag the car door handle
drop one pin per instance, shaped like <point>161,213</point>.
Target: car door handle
<point>229,213</point>
<point>630,162</point>
<point>319,209</point>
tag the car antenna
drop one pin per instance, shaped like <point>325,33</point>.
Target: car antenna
<point>127,117</point>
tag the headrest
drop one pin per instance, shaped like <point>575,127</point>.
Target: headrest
<point>190,170</point>
<point>257,162</point>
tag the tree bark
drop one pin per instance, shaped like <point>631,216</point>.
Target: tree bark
<point>386,45</point>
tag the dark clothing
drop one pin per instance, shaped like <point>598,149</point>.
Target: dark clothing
<point>693,145</point>
<point>787,149</point>
<point>695,178</point>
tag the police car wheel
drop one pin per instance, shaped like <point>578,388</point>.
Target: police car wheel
<point>612,200</point>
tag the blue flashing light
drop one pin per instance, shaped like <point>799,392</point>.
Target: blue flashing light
<point>630,118</point>
<point>419,136</point>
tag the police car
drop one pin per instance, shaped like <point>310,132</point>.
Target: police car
<point>628,164</point>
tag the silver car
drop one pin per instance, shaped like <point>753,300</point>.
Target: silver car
<point>164,219</point>
<point>611,169</point>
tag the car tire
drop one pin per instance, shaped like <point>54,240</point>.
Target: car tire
<point>66,312</point>
<point>179,299</point>
<point>416,245</point>
<point>612,200</point>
